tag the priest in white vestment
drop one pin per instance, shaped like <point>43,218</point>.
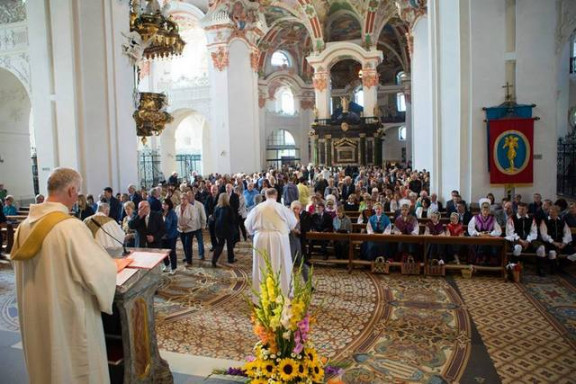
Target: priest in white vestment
<point>270,224</point>
<point>64,280</point>
<point>106,231</point>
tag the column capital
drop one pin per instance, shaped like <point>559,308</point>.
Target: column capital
<point>410,10</point>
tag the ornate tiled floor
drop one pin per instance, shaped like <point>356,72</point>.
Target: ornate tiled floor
<point>524,345</point>
<point>389,328</point>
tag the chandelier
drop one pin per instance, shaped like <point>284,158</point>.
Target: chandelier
<point>158,32</point>
<point>153,35</point>
<point>151,116</point>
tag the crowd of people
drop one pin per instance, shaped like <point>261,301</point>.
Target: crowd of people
<point>387,200</point>
<point>276,208</point>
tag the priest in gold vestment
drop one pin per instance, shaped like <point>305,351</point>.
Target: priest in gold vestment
<point>64,280</point>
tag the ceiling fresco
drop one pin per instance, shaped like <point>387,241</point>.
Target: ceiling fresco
<point>305,26</point>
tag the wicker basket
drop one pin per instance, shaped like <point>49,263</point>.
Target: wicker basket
<point>434,268</point>
<point>466,273</point>
<point>380,265</point>
<point>410,267</point>
<point>516,275</point>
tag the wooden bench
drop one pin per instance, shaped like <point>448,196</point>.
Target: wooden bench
<point>356,239</point>
<point>7,233</point>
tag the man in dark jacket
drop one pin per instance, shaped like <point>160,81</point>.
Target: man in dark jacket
<point>149,225</point>
<point>115,206</point>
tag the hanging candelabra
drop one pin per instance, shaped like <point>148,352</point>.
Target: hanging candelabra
<point>153,35</point>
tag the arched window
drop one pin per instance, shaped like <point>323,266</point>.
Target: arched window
<point>359,96</point>
<point>281,149</point>
<point>280,59</point>
<point>573,54</point>
<point>402,133</point>
<point>399,76</point>
<point>285,101</point>
<point>400,102</point>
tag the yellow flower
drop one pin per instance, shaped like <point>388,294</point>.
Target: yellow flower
<point>288,369</point>
<point>268,368</point>
<point>271,288</point>
<point>251,367</point>
<point>302,371</point>
<point>311,355</point>
<point>259,381</point>
<point>317,372</point>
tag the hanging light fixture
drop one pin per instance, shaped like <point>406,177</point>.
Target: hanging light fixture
<point>158,29</point>
<point>159,38</point>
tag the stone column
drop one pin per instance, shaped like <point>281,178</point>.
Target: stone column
<point>377,150</point>
<point>328,144</point>
<point>322,92</point>
<point>234,93</point>
<point>82,91</point>
<point>315,151</point>
<point>370,81</point>
<point>362,149</point>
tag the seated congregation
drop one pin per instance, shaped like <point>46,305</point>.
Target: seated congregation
<point>345,215</point>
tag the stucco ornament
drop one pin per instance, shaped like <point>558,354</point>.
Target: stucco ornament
<point>220,59</point>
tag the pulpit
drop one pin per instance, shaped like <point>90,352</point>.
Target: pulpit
<point>133,355</point>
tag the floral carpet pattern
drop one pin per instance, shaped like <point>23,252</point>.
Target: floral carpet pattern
<point>388,328</point>
<point>523,344</point>
<point>423,337</point>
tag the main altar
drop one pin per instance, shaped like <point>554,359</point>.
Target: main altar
<point>347,140</point>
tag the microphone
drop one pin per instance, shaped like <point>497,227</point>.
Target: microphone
<point>125,251</point>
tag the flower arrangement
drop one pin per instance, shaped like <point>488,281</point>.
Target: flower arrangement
<point>284,354</point>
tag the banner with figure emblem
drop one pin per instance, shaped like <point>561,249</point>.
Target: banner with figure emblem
<point>511,144</point>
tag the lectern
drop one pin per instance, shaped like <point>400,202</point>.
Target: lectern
<point>133,356</point>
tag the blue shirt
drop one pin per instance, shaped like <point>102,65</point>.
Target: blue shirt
<point>10,210</point>
<point>171,224</point>
<point>249,197</point>
<point>378,226</point>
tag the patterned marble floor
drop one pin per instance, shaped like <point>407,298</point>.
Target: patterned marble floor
<point>388,328</point>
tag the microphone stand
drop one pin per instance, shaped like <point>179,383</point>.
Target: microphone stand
<point>124,250</point>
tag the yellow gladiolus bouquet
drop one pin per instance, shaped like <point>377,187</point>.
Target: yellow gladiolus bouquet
<point>284,354</point>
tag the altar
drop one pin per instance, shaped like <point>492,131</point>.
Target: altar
<point>133,355</point>
<point>347,141</point>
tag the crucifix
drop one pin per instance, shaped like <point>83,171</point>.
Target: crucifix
<point>508,94</point>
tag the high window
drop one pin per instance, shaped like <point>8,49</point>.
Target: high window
<point>402,133</point>
<point>285,101</point>
<point>280,59</point>
<point>400,102</point>
<point>359,96</point>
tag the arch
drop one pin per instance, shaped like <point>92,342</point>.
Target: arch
<point>170,149</point>
<point>289,78</point>
<point>19,66</point>
<point>15,144</point>
<point>337,51</point>
<point>281,148</point>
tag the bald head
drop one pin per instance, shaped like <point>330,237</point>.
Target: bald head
<point>143,208</point>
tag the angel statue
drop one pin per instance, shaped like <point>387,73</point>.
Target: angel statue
<point>512,143</point>
<point>134,47</point>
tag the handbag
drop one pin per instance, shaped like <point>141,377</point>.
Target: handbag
<point>380,265</point>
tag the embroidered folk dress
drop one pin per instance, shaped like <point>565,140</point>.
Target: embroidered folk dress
<point>270,223</point>
<point>61,294</point>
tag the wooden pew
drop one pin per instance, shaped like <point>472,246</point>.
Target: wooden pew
<point>7,233</point>
<point>356,239</point>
